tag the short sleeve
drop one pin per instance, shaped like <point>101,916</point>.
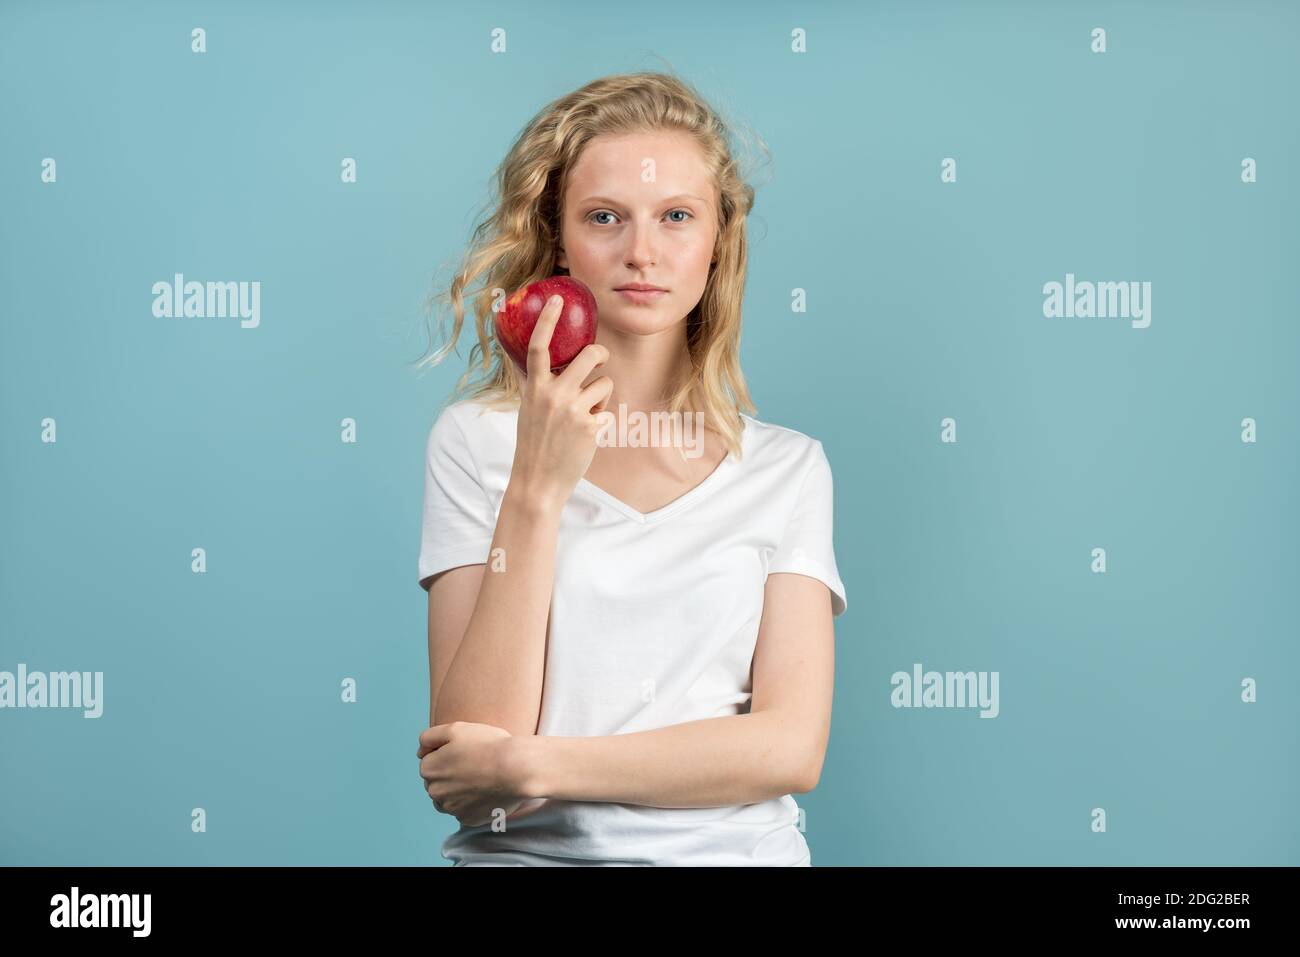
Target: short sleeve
<point>806,547</point>
<point>459,520</point>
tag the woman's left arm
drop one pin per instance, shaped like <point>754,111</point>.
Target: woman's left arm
<point>775,749</point>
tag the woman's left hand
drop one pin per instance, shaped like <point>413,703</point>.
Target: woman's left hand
<point>471,771</point>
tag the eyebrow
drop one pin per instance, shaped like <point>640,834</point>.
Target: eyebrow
<point>670,199</point>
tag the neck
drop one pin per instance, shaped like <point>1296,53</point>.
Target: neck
<point>643,367</point>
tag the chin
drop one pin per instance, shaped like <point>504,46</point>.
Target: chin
<point>639,320</point>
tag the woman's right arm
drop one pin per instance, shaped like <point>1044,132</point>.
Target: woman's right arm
<point>487,629</point>
<point>488,623</point>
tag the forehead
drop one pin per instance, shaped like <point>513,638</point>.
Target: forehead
<point>613,165</point>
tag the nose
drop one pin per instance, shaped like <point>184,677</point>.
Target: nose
<point>644,247</point>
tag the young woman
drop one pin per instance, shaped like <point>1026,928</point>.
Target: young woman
<point>631,648</point>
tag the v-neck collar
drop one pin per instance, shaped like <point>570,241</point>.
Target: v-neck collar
<point>719,472</point>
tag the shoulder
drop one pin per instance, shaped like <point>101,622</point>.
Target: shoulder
<point>467,418</point>
<point>472,431</point>
<point>777,444</point>
<point>465,411</point>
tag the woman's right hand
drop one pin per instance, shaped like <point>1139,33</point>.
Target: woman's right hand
<point>558,422</point>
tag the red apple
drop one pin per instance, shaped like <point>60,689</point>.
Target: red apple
<point>575,330</point>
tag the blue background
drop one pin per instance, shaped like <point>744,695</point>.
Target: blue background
<point>1118,690</point>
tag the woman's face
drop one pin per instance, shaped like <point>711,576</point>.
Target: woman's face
<point>640,208</point>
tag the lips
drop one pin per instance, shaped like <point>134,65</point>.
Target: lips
<point>640,287</point>
<point>642,296</point>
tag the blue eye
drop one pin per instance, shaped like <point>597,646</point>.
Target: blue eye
<point>605,212</point>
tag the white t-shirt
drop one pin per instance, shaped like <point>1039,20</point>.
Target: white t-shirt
<point>654,619</point>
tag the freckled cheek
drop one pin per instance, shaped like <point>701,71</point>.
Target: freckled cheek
<point>600,251</point>
<point>699,255</point>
